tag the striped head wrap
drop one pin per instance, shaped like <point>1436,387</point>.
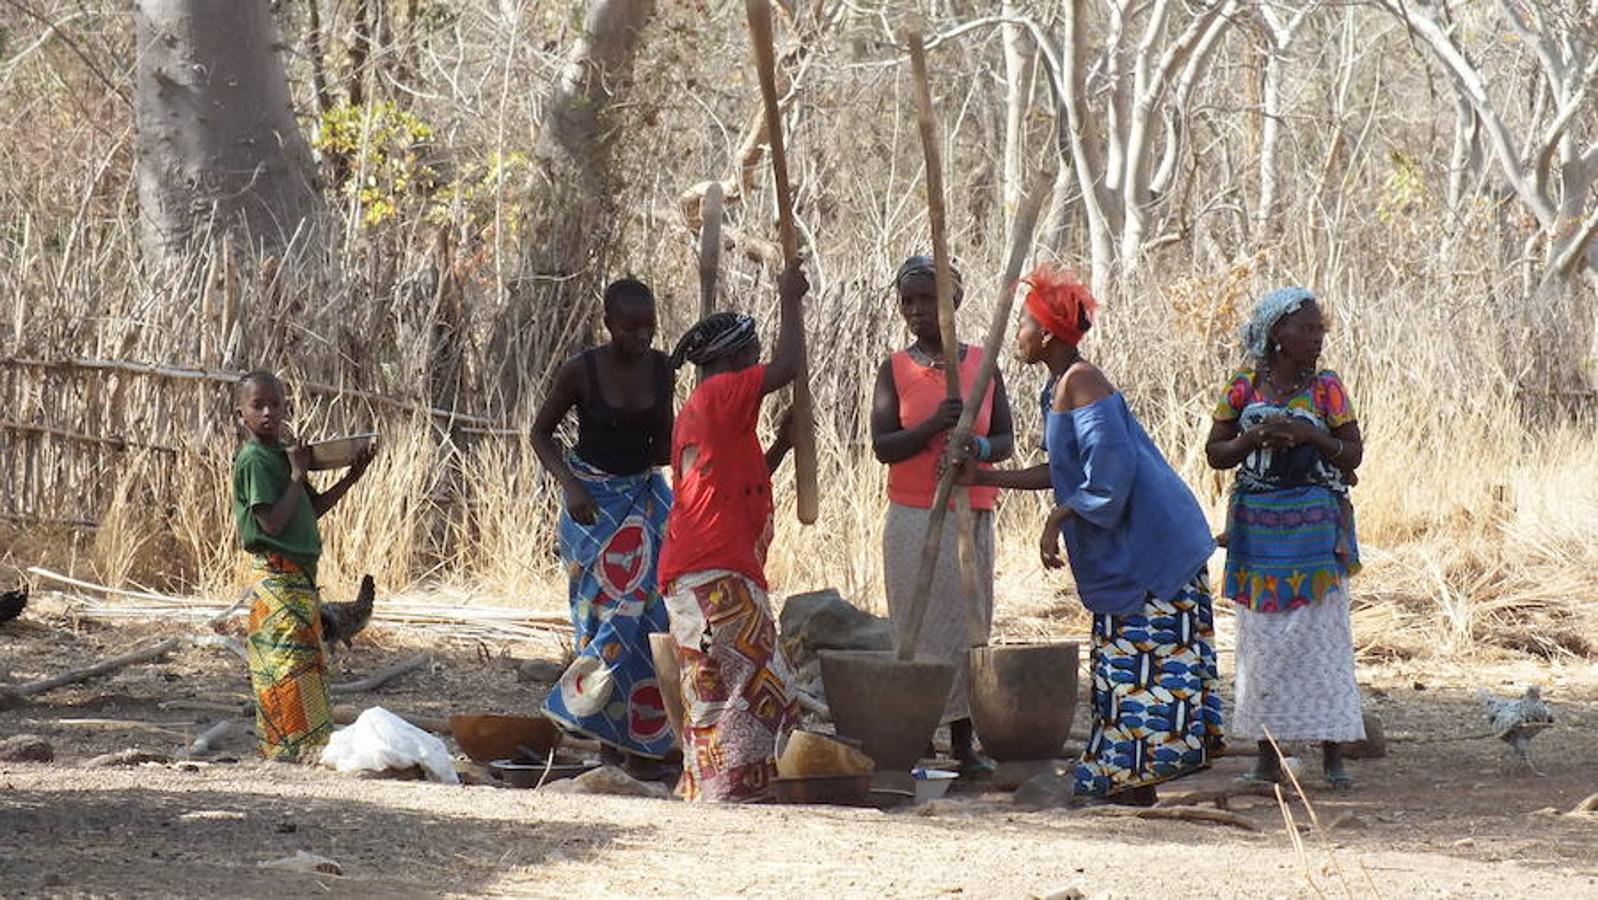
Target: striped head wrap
<point>716,336</point>
<point>1272,308</point>
<point>923,264</point>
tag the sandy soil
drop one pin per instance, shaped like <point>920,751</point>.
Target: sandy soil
<point>1442,815</point>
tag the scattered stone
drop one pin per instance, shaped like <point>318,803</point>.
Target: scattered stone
<point>1046,791</point>
<point>1586,807</point>
<point>1375,744</point>
<point>1465,842</point>
<point>1067,894</point>
<point>26,748</point>
<point>608,780</point>
<point>1545,811</point>
<point>539,671</point>
<point>129,757</point>
<point>1419,685</point>
<point>823,620</point>
<point>287,827</point>
<point>933,808</point>
<point>301,861</point>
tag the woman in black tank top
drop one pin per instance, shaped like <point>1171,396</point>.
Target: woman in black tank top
<point>616,500</point>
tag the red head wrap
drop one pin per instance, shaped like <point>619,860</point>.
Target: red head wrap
<point>1059,302</point>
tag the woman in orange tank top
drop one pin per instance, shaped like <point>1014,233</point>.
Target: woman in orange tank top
<point>911,415</point>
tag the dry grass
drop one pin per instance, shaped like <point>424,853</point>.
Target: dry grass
<point>1479,520</point>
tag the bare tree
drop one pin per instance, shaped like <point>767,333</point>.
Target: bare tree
<point>217,140</point>
<point>1551,165</point>
<point>573,222</point>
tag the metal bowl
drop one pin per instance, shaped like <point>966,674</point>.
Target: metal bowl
<point>340,452</point>
<point>523,773</point>
<point>837,790</point>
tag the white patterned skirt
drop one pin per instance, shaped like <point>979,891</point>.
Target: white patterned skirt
<point>1295,674</point>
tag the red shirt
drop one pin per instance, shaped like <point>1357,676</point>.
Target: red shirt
<point>721,515</point>
<point>912,482</point>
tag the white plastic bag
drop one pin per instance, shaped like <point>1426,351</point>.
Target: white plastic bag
<point>379,740</point>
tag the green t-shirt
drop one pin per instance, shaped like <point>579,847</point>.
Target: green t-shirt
<point>260,474</point>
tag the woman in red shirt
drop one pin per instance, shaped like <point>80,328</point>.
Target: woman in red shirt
<point>737,702</point>
<point>911,414</point>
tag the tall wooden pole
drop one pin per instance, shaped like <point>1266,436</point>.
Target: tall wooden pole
<point>804,424</point>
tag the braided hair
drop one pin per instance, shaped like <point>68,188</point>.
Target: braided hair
<point>717,336</point>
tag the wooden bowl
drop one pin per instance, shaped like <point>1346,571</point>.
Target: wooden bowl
<point>486,738</point>
<point>340,452</point>
<point>837,790</point>
<point>810,754</point>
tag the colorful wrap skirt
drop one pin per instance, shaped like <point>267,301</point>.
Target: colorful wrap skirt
<point>1156,701</point>
<point>609,693</point>
<point>293,714</point>
<point>737,701</point>
<point>1281,548</point>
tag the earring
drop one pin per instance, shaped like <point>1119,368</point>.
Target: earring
<point>1278,346</point>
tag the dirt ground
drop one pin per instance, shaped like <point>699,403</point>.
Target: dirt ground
<point>1442,815</point>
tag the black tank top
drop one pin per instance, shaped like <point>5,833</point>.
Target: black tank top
<point>619,441</point>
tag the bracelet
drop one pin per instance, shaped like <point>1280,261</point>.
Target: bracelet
<point>984,448</point>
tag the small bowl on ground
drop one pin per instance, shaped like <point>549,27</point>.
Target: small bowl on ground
<point>525,773</point>
<point>932,784</point>
<point>340,452</point>
<point>836,790</point>
<point>486,738</point>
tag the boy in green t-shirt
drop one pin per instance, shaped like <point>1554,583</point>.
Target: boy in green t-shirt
<point>276,508</point>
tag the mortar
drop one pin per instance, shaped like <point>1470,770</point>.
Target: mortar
<point>1023,697</point>
<point>892,706</point>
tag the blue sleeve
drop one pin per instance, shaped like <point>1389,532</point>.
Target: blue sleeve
<point>1109,463</point>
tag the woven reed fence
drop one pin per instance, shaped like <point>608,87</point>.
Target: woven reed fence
<point>70,424</point>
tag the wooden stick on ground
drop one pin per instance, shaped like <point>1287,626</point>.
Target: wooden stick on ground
<point>1183,813</point>
<point>804,423</point>
<point>381,677</point>
<point>9,696</point>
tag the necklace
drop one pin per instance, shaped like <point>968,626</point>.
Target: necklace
<point>1285,393</point>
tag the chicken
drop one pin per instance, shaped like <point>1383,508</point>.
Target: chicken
<point>343,621</point>
<point>12,603</point>
<point>1517,721</point>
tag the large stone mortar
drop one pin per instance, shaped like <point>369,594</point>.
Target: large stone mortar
<point>891,706</point>
<point>1023,697</point>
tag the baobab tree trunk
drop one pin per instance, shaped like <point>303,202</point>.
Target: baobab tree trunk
<point>549,305</point>
<point>217,140</point>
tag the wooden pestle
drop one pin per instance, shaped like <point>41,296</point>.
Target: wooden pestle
<point>709,248</point>
<point>944,280</point>
<point>804,423</point>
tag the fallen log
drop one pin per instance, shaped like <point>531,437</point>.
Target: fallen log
<point>12,696</point>
<point>381,677</point>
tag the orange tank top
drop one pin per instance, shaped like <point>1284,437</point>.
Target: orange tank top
<point>920,389</point>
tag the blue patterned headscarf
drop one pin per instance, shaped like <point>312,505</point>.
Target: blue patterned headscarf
<point>1272,308</point>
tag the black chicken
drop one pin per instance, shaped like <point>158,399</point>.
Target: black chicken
<point>12,603</point>
<point>343,621</point>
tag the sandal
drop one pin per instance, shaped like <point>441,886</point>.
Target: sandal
<point>1253,777</point>
<point>1340,781</point>
<point>977,768</point>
